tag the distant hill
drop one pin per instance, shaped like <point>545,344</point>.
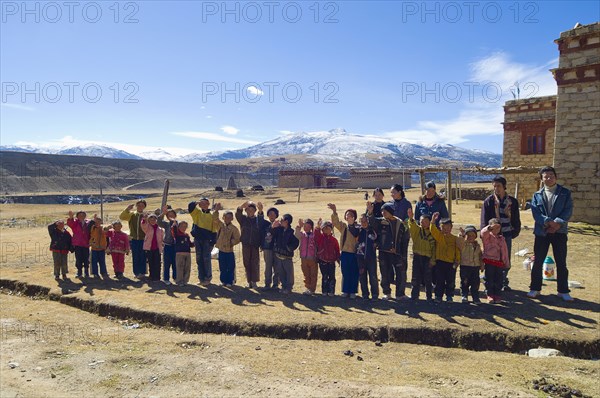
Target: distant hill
<point>37,172</point>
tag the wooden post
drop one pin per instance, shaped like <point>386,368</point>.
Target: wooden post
<point>299,194</point>
<point>517,190</point>
<point>101,205</point>
<point>449,193</point>
<point>460,185</point>
<point>165,194</point>
<point>456,193</point>
<point>422,181</point>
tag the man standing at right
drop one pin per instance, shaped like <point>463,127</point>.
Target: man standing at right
<point>505,208</point>
<point>552,207</point>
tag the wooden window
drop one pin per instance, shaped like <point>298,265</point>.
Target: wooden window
<point>533,144</point>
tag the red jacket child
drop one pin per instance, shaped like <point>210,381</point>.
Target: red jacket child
<point>328,247</point>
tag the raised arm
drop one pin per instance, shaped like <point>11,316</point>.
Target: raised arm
<point>161,218</point>
<point>193,207</point>
<point>51,229</point>
<point>335,219</point>
<point>239,215</point>
<point>485,234</point>
<point>126,214</point>
<point>435,232</point>
<point>298,230</point>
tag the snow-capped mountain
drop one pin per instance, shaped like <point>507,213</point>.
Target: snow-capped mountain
<point>345,149</point>
<point>101,151</point>
<point>336,147</point>
<point>20,148</point>
<point>158,154</point>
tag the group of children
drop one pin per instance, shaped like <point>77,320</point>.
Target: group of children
<point>149,236</point>
<point>380,235</point>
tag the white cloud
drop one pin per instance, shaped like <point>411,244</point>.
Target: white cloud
<point>208,116</point>
<point>18,107</point>
<point>213,137</point>
<point>287,132</point>
<point>229,130</point>
<point>488,87</point>
<point>498,68</point>
<point>257,92</point>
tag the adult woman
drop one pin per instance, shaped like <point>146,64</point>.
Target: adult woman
<point>377,202</point>
<point>431,203</point>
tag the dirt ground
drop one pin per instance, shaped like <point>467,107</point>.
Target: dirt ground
<point>24,257</point>
<point>73,353</point>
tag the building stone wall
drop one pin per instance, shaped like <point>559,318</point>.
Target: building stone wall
<point>577,142</point>
<point>571,122</point>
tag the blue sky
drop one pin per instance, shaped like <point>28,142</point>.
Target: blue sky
<point>199,76</point>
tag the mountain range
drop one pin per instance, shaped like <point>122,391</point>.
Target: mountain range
<point>335,147</point>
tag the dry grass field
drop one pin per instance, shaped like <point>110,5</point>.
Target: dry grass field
<point>303,367</point>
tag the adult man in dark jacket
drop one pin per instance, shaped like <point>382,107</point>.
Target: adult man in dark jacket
<point>552,207</point>
<point>504,207</point>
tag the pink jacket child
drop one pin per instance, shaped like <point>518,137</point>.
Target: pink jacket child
<point>308,254</point>
<point>495,250</point>
<point>495,258</point>
<point>150,230</point>
<point>153,244</point>
<point>308,245</point>
<point>118,247</point>
<point>80,226</point>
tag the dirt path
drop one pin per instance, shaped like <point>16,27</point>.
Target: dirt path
<point>73,353</point>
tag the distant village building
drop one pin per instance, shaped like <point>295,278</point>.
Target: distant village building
<point>302,178</point>
<point>359,178</point>
<point>332,181</point>
<point>379,178</point>
<point>562,130</point>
